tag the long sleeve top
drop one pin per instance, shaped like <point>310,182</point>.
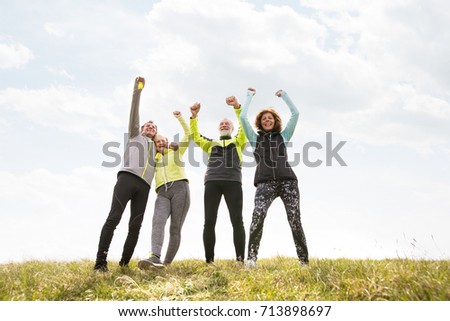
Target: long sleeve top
<point>170,165</point>
<point>286,133</point>
<point>139,150</point>
<point>270,147</point>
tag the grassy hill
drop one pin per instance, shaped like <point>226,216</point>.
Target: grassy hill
<point>276,279</point>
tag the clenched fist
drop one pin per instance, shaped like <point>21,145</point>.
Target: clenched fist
<point>195,108</point>
<point>232,101</point>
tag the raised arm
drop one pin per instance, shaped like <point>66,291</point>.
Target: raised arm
<point>184,142</point>
<point>248,130</point>
<point>292,123</point>
<point>134,126</point>
<point>240,137</point>
<point>201,141</point>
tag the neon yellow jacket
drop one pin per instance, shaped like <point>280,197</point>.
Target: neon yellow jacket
<point>170,166</point>
<point>224,154</point>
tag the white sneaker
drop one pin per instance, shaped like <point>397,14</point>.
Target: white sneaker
<point>251,264</point>
<point>303,264</point>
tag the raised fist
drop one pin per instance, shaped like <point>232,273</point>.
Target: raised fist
<point>232,101</point>
<point>195,108</point>
<point>174,146</point>
<point>140,81</point>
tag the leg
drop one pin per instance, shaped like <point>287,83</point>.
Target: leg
<point>291,198</point>
<point>138,205</point>
<point>264,196</point>
<point>213,194</point>
<point>121,195</point>
<point>233,198</point>
<point>160,216</point>
<point>180,206</point>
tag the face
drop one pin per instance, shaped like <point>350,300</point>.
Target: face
<point>267,122</point>
<point>161,143</point>
<point>149,129</point>
<point>225,127</point>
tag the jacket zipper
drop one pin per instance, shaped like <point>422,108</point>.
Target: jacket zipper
<point>271,158</point>
<point>148,156</point>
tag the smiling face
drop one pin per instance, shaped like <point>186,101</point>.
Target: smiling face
<point>226,127</point>
<point>149,129</point>
<point>161,143</point>
<point>267,122</point>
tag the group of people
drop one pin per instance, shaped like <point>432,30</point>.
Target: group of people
<point>149,155</point>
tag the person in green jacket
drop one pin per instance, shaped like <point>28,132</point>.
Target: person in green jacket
<point>223,177</point>
<point>173,198</point>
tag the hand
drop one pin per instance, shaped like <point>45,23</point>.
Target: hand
<point>138,80</point>
<point>232,101</point>
<point>177,114</point>
<point>278,93</point>
<point>253,90</point>
<point>195,108</point>
<point>174,146</point>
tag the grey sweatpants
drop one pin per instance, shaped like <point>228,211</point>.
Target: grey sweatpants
<point>174,203</point>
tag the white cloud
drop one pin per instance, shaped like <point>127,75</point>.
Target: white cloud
<point>43,222</point>
<point>60,72</point>
<point>54,30</point>
<point>381,72</point>
<point>64,108</point>
<point>348,63</point>
<point>233,33</point>
<point>4,126</point>
<point>14,55</point>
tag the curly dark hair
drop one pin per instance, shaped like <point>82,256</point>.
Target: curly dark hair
<point>278,123</point>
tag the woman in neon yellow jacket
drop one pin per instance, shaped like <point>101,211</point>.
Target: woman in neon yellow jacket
<point>173,198</point>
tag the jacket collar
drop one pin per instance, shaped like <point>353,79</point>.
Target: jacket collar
<point>263,133</point>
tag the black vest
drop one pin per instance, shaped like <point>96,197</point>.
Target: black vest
<point>224,163</point>
<point>271,158</point>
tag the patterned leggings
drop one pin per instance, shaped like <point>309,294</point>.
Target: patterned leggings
<point>265,194</point>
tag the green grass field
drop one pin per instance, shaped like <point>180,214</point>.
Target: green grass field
<point>276,279</point>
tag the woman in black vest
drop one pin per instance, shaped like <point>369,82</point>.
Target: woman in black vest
<point>274,176</point>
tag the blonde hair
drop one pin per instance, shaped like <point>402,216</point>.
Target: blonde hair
<point>158,136</point>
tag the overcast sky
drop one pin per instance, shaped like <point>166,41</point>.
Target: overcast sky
<point>374,74</point>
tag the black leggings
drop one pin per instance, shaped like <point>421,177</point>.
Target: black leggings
<point>232,191</point>
<point>128,187</point>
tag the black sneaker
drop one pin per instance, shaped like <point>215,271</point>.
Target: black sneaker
<point>123,264</point>
<point>151,262</point>
<point>101,267</point>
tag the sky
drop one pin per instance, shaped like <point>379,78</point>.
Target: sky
<point>374,75</point>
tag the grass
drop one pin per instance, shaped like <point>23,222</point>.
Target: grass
<point>276,279</point>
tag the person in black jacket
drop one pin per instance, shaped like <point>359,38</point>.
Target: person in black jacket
<point>223,177</point>
<point>274,176</point>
